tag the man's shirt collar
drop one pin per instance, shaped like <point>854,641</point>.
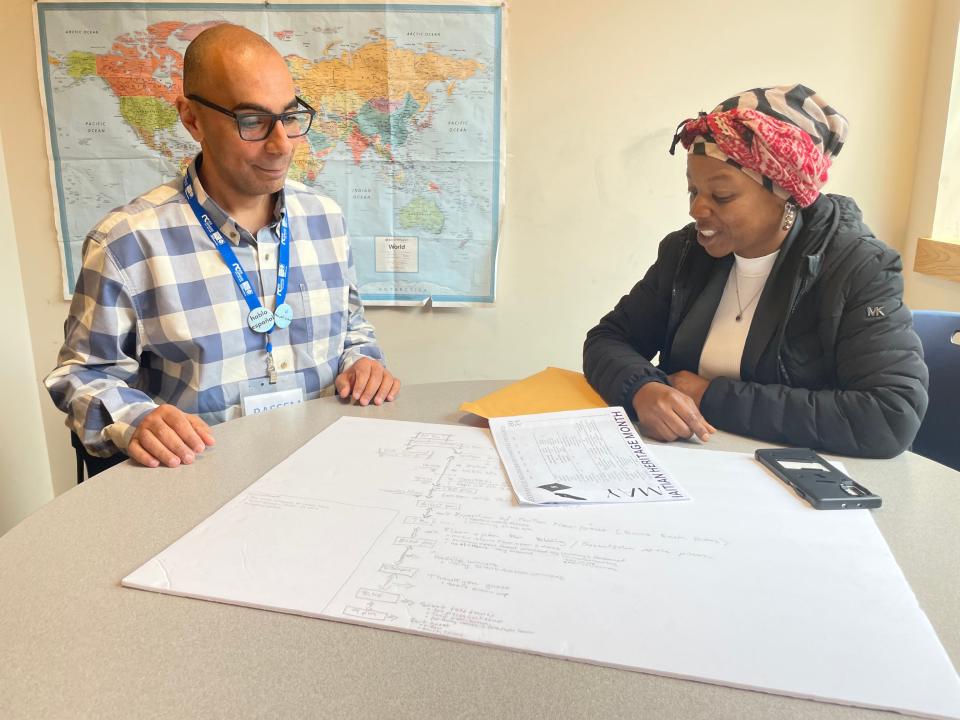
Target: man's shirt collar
<point>231,230</point>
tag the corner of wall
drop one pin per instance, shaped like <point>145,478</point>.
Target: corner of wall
<point>924,291</point>
<point>25,480</point>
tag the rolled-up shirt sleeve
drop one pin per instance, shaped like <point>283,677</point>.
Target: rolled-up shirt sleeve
<point>360,339</point>
<point>100,358</point>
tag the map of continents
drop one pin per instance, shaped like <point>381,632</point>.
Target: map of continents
<point>406,137</point>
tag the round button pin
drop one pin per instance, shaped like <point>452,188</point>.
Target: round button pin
<point>283,315</point>
<point>260,320</point>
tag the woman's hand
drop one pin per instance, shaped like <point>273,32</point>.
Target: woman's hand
<point>690,384</point>
<point>666,413</point>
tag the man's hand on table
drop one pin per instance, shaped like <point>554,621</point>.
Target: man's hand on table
<point>168,436</point>
<point>367,380</point>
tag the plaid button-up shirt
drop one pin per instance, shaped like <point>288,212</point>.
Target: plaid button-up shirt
<point>157,316</point>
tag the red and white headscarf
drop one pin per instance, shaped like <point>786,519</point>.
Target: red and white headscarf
<point>783,137</point>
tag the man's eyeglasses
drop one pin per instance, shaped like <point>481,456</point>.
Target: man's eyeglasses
<point>255,126</point>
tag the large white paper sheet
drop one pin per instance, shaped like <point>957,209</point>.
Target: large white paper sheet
<point>580,456</point>
<point>412,527</point>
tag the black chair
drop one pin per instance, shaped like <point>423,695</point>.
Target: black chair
<point>940,334</point>
<point>92,463</point>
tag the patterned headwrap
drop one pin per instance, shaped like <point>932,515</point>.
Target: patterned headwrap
<point>783,137</point>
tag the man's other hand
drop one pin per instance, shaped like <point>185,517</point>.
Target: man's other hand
<point>367,380</point>
<point>168,436</point>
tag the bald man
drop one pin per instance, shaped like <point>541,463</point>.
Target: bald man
<point>229,291</point>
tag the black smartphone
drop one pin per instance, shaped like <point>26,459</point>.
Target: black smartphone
<point>816,480</point>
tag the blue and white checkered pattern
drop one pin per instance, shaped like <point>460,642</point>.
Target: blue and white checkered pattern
<point>158,318</point>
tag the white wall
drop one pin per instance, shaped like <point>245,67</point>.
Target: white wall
<point>593,100</point>
<point>24,470</point>
<point>594,92</point>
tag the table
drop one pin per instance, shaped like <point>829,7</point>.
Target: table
<point>74,643</point>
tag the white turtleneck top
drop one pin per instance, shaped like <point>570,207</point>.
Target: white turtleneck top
<point>723,347</point>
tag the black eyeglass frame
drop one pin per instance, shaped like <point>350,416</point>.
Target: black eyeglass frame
<point>274,117</point>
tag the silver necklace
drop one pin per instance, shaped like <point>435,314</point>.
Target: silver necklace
<point>740,306</point>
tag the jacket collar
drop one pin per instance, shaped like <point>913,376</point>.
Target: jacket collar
<point>798,265</point>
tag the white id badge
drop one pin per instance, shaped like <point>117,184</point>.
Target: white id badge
<point>260,395</point>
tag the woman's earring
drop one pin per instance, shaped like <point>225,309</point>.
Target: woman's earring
<point>789,216</point>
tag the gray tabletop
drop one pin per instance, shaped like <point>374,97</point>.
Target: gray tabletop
<point>74,643</point>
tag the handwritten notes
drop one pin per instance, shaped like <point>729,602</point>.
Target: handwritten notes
<point>413,527</point>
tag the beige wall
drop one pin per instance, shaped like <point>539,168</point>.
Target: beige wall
<point>925,291</point>
<point>21,123</point>
<point>24,471</point>
<point>594,92</point>
<point>943,39</point>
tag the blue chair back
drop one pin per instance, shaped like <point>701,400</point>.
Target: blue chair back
<point>939,436</point>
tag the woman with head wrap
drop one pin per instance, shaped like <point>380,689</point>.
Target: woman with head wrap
<point>776,313</point>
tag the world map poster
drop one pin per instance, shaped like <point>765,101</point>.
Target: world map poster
<point>407,137</point>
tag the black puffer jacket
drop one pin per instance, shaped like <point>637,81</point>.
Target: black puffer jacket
<point>831,360</point>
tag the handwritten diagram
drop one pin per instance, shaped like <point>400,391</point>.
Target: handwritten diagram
<point>413,527</point>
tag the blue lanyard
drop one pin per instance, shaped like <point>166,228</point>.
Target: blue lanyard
<point>259,318</point>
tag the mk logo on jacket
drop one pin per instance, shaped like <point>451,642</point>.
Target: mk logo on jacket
<point>874,312</point>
